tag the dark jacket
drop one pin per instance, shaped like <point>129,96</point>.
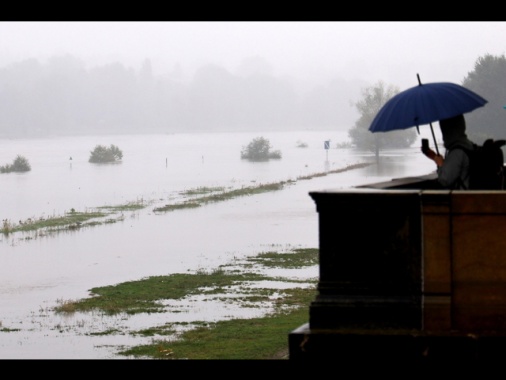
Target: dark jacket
<point>454,173</point>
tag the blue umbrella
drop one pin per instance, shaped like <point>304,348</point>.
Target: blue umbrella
<point>424,104</point>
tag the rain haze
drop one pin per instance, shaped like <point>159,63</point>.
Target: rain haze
<point>309,52</point>
<point>142,87</point>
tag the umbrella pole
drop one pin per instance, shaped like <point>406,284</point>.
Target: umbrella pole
<point>434,138</point>
<point>431,129</point>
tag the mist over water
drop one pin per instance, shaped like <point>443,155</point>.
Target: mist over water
<point>85,78</point>
<point>37,270</point>
<point>154,167</point>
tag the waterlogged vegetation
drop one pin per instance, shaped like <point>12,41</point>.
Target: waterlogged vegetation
<point>260,149</point>
<point>221,194</point>
<point>203,190</point>
<point>301,144</point>
<point>20,164</point>
<point>103,154</point>
<point>197,197</point>
<point>244,282</point>
<point>261,338</point>
<point>71,220</point>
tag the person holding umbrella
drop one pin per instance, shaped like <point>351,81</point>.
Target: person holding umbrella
<point>453,168</point>
<point>447,103</point>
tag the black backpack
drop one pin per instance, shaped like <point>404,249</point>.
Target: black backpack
<point>486,165</point>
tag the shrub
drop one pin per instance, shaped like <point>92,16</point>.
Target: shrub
<point>259,149</point>
<point>20,164</point>
<point>102,154</point>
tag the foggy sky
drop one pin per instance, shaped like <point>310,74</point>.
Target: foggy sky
<point>313,52</point>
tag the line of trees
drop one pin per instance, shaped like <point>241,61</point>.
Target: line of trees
<point>488,79</point>
<point>63,97</point>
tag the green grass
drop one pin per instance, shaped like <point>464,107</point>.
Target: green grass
<point>255,338</point>
<point>220,194</point>
<point>298,258</point>
<point>242,339</point>
<point>141,296</point>
<point>70,220</point>
<point>73,220</point>
<point>202,190</point>
<point>130,206</point>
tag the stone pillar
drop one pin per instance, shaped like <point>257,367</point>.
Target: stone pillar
<point>407,275</point>
<point>370,260</point>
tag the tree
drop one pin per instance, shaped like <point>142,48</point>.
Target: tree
<point>259,149</point>
<point>488,80</point>
<point>20,164</point>
<point>373,98</point>
<point>102,154</point>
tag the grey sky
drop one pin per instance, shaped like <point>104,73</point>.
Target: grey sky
<point>314,51</point>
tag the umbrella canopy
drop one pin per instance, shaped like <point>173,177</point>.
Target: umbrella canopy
<point>424,104</point>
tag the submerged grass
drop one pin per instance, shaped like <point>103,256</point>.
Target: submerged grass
<point>72,219</point>
<point>220,194</point>
<point>141,296</point>
<point>130,206</point>
<point>200,196</point>
<point>202,190</point>
<point>254,338</point>
<point>242,339</point>
<point>298,258</point>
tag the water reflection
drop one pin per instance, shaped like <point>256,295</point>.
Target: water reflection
<point>37,269</point>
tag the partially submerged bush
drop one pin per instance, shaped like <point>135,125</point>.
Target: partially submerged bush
<point>259,149</point>
<point>20,164</point>
<point>102,154</point>
<point>7,227</point>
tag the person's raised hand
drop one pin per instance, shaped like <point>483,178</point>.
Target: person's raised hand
<point>429,153</point>
<point>438,159</point>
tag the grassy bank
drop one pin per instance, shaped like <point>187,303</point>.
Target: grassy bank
<point>245,282</point>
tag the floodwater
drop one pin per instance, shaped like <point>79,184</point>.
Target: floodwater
<point>37,271</point>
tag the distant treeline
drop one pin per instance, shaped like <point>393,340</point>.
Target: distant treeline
<point>63,97</point>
